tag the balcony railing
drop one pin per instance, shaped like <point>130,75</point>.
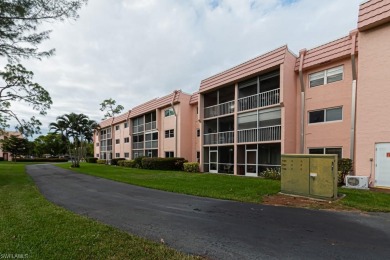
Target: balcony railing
<point>263,99</point>
<point>220,109</point>
<point>150,126</point>
<point>138,128</point>
<point>138,145</point>
<point>262,134</point>
<point>219,138</point>
<point>151,144</point>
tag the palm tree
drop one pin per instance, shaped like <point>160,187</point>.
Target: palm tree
<point>77,129</point>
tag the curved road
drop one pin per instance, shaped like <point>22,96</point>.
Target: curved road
<point>214,228</point>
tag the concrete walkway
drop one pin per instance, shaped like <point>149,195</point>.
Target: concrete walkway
<point>215,228</point>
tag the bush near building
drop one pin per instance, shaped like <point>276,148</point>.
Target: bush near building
<point>191,167</point>
<point>166,164</point>
<point>101,161</point>
<point>92,160</point>
<point>127,163</point>
<point>115,161</point>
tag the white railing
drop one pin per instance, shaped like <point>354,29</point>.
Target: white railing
<point>220,109</point>
<point>138,128</point>
<point>219,138</point>
<point>138,145</point>
<point>150,126</point>
<point>211,138</point>
<point>262,134</point>
<point>226,137</point>
<point>151,144</point>
<point>263,99</point>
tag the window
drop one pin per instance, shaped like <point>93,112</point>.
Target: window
<point>169,154</point>
<point>126,125</point>
<point>117,127</point>
<point>126,140</point>
<point>117,141</point>
<point>117,155</point>
<point>326,76</point>
<point>326,115</point>
<point>97,155</point>
<point>169,112</point>
<point>327,150</point>
<point>169,133</point>
<point>97,144</point>
<point>126,155</point>
<point>198,157</point>
<point>198,132</point>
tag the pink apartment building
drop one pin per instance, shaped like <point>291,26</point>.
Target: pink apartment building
<point>4,154</point>
<point>332,99</point>
<point>162,127</point>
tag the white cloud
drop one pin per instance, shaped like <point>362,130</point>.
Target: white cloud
<point>133,51</point>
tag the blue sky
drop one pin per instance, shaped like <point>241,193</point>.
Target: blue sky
<point>136,50</point>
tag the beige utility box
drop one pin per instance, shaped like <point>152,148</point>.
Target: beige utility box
<point>309,175</point>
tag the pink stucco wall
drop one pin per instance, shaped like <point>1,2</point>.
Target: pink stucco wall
<point>289,110</point>
<point>336,94</point>
<point>373,95</point>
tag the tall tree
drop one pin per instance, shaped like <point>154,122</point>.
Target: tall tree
<point>108,105</point>
<point>18,88</point>
<point>19,21</point>
<point>19,38</point>
<point>16,146</point>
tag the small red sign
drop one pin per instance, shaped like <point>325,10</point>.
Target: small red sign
<point>388,155</point>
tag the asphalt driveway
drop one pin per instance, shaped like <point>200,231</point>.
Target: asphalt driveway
<point>214,228</point>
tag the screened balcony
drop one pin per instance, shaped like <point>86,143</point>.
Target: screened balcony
<point>260,91</point>
<point>150,121</point>
<point>263,99</point>
<point>259,126</point>
<point>263,134</point>
<point>138,145</point>
<point>219,131</point>
<point>220,102</point>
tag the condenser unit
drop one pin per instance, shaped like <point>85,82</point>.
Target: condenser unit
<point>356,182</point>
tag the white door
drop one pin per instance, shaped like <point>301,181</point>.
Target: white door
<point>213,161</point>
<point>382,165</point>
<point>251,163</point>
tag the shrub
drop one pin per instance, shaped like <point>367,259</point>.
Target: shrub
<point>115,161</point>
<point>168,164</point>
<point>41,160</point>
<point>91,160</point>
<point>344,168</point>
<point>1,158</point>
<point>138,161</point>
<point>271,173</point>
<point>101,161</point>
<point>127,163</point>
<point>191,167</point>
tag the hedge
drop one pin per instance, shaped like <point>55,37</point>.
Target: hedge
<point>127,163</point>
<point>115,161</point>
<point>41,160</point>
<point>166,164</point>
<point>91,160</point>
<point>101,161</point>
<point>191,167</point>
<point>1,158</point>
<point>138,161</point>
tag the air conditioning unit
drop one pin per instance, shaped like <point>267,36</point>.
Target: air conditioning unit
<point>356,182</point>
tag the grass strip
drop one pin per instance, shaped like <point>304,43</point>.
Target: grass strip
<point>222,186</point>
<point>33,228</point>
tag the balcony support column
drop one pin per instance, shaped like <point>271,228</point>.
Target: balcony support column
<point>235,134</point>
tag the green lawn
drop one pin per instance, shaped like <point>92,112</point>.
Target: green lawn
<point>205,185</point>
<point>366,200</point>
<point>33,228</point>
<point>222,186</point>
